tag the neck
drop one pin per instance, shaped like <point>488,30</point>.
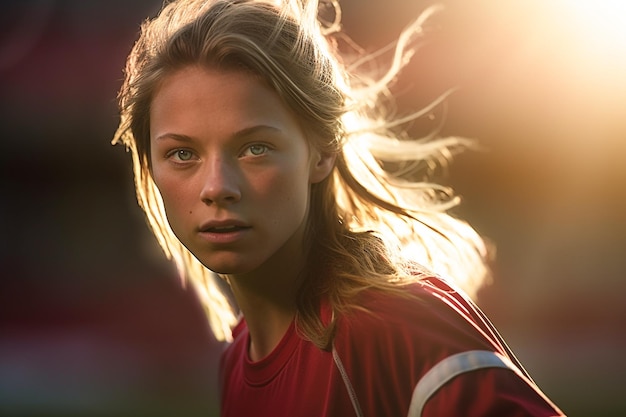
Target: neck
<point>267,299</point>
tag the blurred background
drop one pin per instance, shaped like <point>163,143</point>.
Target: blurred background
<point>93,320</point>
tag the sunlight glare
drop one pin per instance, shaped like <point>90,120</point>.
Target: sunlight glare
<point>598,27</point>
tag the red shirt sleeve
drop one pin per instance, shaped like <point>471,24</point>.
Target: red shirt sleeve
<point>491,392</point>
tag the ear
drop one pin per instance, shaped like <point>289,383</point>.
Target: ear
<point>322,163</point>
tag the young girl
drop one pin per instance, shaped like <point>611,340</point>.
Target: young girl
<point>269,173</point>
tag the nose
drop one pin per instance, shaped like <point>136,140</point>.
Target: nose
<point>220,183</point>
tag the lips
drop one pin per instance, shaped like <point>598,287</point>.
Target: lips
<point>223,231</point>
<point>223,226</point>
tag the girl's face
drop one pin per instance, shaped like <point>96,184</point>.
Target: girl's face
<point>234,169</point>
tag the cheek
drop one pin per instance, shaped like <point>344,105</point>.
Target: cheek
<point>175,197</point>
<point>164,186</point>
<point>288,194</point>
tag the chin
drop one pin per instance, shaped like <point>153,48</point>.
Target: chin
<point>228,267</point>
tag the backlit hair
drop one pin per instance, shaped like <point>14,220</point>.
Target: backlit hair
<point>375,221</point>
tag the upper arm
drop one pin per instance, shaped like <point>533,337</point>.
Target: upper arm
<point>478,383</point>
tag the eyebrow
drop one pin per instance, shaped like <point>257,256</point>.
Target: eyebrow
<point>248,131</point>
<point>254,129</point>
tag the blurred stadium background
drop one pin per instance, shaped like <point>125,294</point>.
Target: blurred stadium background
<point>93,321</point>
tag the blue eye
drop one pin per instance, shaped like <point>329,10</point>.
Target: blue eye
<point>183,154</point>
<point>256,150</point>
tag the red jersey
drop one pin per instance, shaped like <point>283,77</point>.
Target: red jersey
<point>436,356</point>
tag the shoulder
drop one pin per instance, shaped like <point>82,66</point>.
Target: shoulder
<point>431,319</point>
<point>396,337</point>
<point>438,350</point>
<point>408,333</point>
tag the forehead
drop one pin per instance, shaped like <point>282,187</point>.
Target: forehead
<point>194,85</point>
<point>197,97</point>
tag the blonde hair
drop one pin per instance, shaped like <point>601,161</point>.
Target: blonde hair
<point>369,226</point>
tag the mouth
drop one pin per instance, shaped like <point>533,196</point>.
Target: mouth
<point>223,229</point>
<point>223,226</point>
